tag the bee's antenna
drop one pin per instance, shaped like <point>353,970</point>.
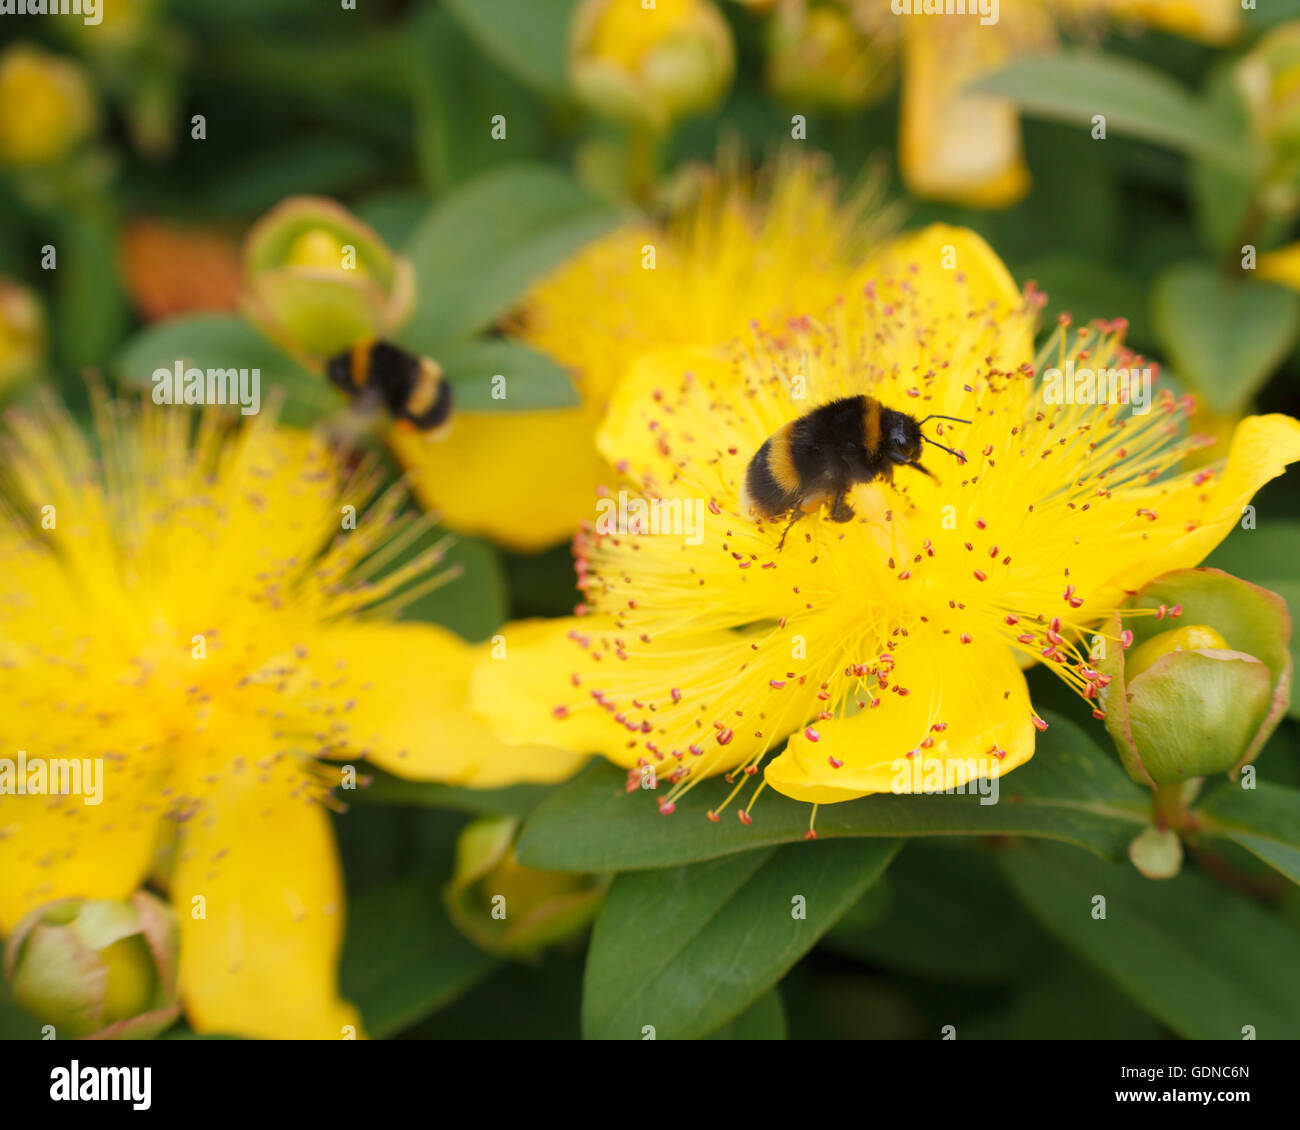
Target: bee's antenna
<point>936,416</point>
<point>961,458</point>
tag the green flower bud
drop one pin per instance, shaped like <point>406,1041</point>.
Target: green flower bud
<point>317,280</point>
<point>817,56</point>
<point>1204,696</point>
<point>96,968</point>
<point>509,909</point>
<point>650,66</point>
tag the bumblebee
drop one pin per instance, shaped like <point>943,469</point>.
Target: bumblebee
<point>411,388</point>
<point>818,458</point>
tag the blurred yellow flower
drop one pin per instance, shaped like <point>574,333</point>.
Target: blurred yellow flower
<point>878,649</point>
<point>965,146</point>
<point>209,617</point>
<point>650,65</point>
<point>743,252</point>
<point>46,107</point>
<point>317,280</point>
<point>22,334</point>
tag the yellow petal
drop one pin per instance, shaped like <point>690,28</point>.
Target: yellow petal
<point>1214,21</point>
<point>259,896</point>
<point>1281,266</point>
<point>954,145</point>
<point>54,847</point>
<point>956,266</point>
<point>565,684</point>
<point>523,479</point>
<point>979,697</point>
<point>398,694</point>
<point>1190,517</point>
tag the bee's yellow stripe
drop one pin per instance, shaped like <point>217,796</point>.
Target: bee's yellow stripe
<point>425,391</point>
<point>780,460</point>
<point>871,425</point>
<point>360,365</point>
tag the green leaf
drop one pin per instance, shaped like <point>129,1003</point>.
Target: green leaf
<point>529,38</point>
<point>402,958</point>
<point>1264,820</point>
<point>532,380</point>
<point>1224,336</point>
<point>762,1020</point>
<point>687,949</point>
<point>949,917</point>
<point>15,1023</point>
<point>482,246</point>
<point>1070,791</point>
<point>1202,959</point>
<point>1221,195</point>
<point>221,341</point>
<point>1135,99</point>
<point>385,788</point>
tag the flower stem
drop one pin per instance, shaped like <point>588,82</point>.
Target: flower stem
<point>1168,809</point>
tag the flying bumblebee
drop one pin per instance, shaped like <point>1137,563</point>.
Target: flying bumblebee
<point>412,388</point>
<point>819,457</point>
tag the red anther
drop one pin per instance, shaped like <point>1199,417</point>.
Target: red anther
<point>927,742</point>
<point>1039,723</point>
<point>713,506</point>
<point>1056,623</point>
<point>560,712</point>
<point>745,817</point>
<point>750,770</point>
<point>1176,610</point>
<point>667,807</point>
<point>965,638</point>
<point>834,763</point>
<point>1126,638</point>
<point>939,727</point>
<point>1162,612</point>
<point>725,735</point>
<point>677,694</point>
<point>980,576</point>
<point>713,816</point>
<point>812,735</point>
<point>696,750</point>
<point>1069,592</point>
<point>776,684</point>
<point>633,780</point>
<point>905,575</point>
<point>1100,715</point>
<point>1024,637</point>
<point>981,524</point>
<point>811,834</point>
<point>1013,619</point>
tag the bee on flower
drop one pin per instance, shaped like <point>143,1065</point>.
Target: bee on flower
<point>894,628</point>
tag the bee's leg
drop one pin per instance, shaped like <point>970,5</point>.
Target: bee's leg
<point>841,511</point>
<point>797,515</point>
<point>924,470</point>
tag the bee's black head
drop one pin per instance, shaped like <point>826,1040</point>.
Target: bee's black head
<point>339,370</point>
<point>902,436</point>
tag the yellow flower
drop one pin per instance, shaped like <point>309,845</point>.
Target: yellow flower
<point>740,254</point>
<point>209,618</point>
<point>965,146</point>
<point>650,65</point>
<point>46,107</point>
<point>893,640</point>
